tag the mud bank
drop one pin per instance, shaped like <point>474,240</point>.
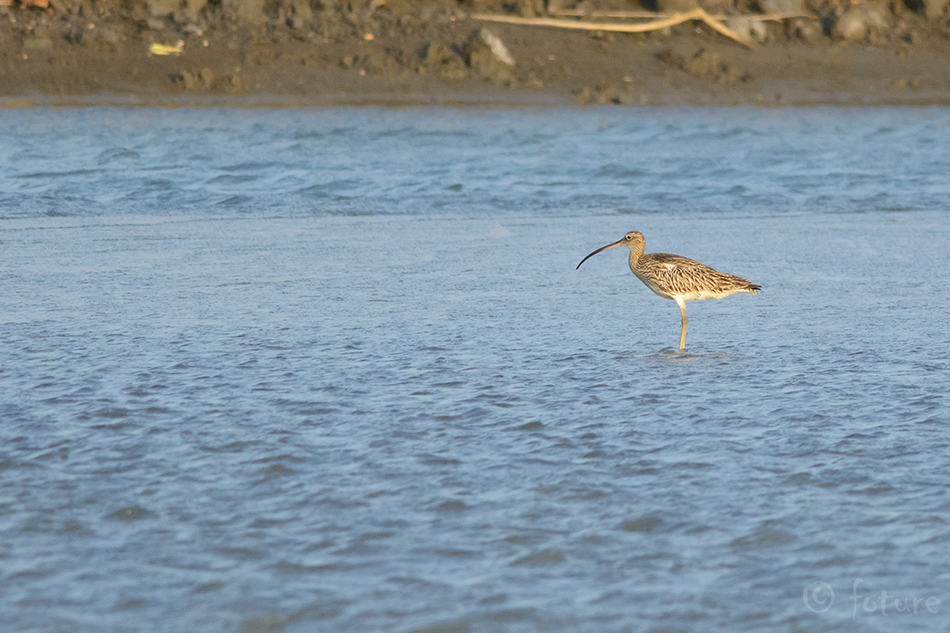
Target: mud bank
<point>399,52</point>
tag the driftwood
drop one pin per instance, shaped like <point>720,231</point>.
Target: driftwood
<point>162,49</point>
<point>634,15</point>
<point>672,20</point>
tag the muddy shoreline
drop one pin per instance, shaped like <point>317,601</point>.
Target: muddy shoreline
<point>421,53</point>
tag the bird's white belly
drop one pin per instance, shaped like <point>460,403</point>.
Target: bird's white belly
<point>694,296</point>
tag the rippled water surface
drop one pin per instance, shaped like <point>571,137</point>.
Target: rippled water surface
<point>334,370</point>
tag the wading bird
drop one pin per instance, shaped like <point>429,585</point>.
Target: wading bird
<point>678,278</point>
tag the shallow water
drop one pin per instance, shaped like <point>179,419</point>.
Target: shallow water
<point>334,370</point>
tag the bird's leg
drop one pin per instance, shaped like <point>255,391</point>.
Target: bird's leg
<point>682,305</point>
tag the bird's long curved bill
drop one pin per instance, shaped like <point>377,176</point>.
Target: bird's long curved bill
<point>603,248</point>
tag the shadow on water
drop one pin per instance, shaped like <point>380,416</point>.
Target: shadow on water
<point>672,355</point>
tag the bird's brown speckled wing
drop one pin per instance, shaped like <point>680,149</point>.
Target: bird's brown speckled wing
<point>683,276</point>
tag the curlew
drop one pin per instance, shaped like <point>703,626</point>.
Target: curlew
<point>678,278</point>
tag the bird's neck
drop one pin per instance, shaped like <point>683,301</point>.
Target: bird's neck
<point>636,252</point>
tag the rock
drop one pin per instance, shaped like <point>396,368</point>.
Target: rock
<point>495,47</point>
<point>161,8</point>
<point>781,6</point>
<point>442,59</point>
<point>676,6</point>
<point>107,39</point>
<point>233,83</point>
<point>850,26</point>
<point>718,6</point>
<point>489,57</point>
<point>934,9</point>
<point>206,77</point>
<point>184,16</point>
<point>748,29</point>
<point>877,17</point>
<point>530,8</point>
<point>302,11</point>
<point>705,65</point>
<point>64,7</point>
<point>193,81</point>
<point>670,57</point>
<point>606,95</point>
<point>245,11</point>
<point>807,30</point>
<point>861,20</point>
<point>380,63</point>
<point>108,7</point>
<point>73,33</point>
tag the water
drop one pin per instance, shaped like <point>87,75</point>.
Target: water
<point>334,370</point>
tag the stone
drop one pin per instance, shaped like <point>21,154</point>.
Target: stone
<point>934,9</point>
<point>806,29</point>
<point>676,6</point>
<point>751,30</point>
<point>496,47</point>
<point>161,8</point>
<point>302,11</point>
<point>614,94</point>
<point>245,11</point>
<point>850,26</point>
<point>108,7</point>
<point>489,57</point>
<point>73,33</point>
<point>108,39</point>
<point>206,77</point>
<point>442,59</point>
<point>706,65</point>
<point>191,29</point>
<point>193,81</point>
<point>781,6</point>
<point>859,21</point>
<point>876,16</point>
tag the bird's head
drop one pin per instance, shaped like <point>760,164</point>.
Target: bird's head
<point>630,240</point>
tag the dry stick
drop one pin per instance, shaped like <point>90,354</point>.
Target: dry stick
<point>677,18</point>
<point>624,15</point>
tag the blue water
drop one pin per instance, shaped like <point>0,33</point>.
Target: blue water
<point>334,370</point>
